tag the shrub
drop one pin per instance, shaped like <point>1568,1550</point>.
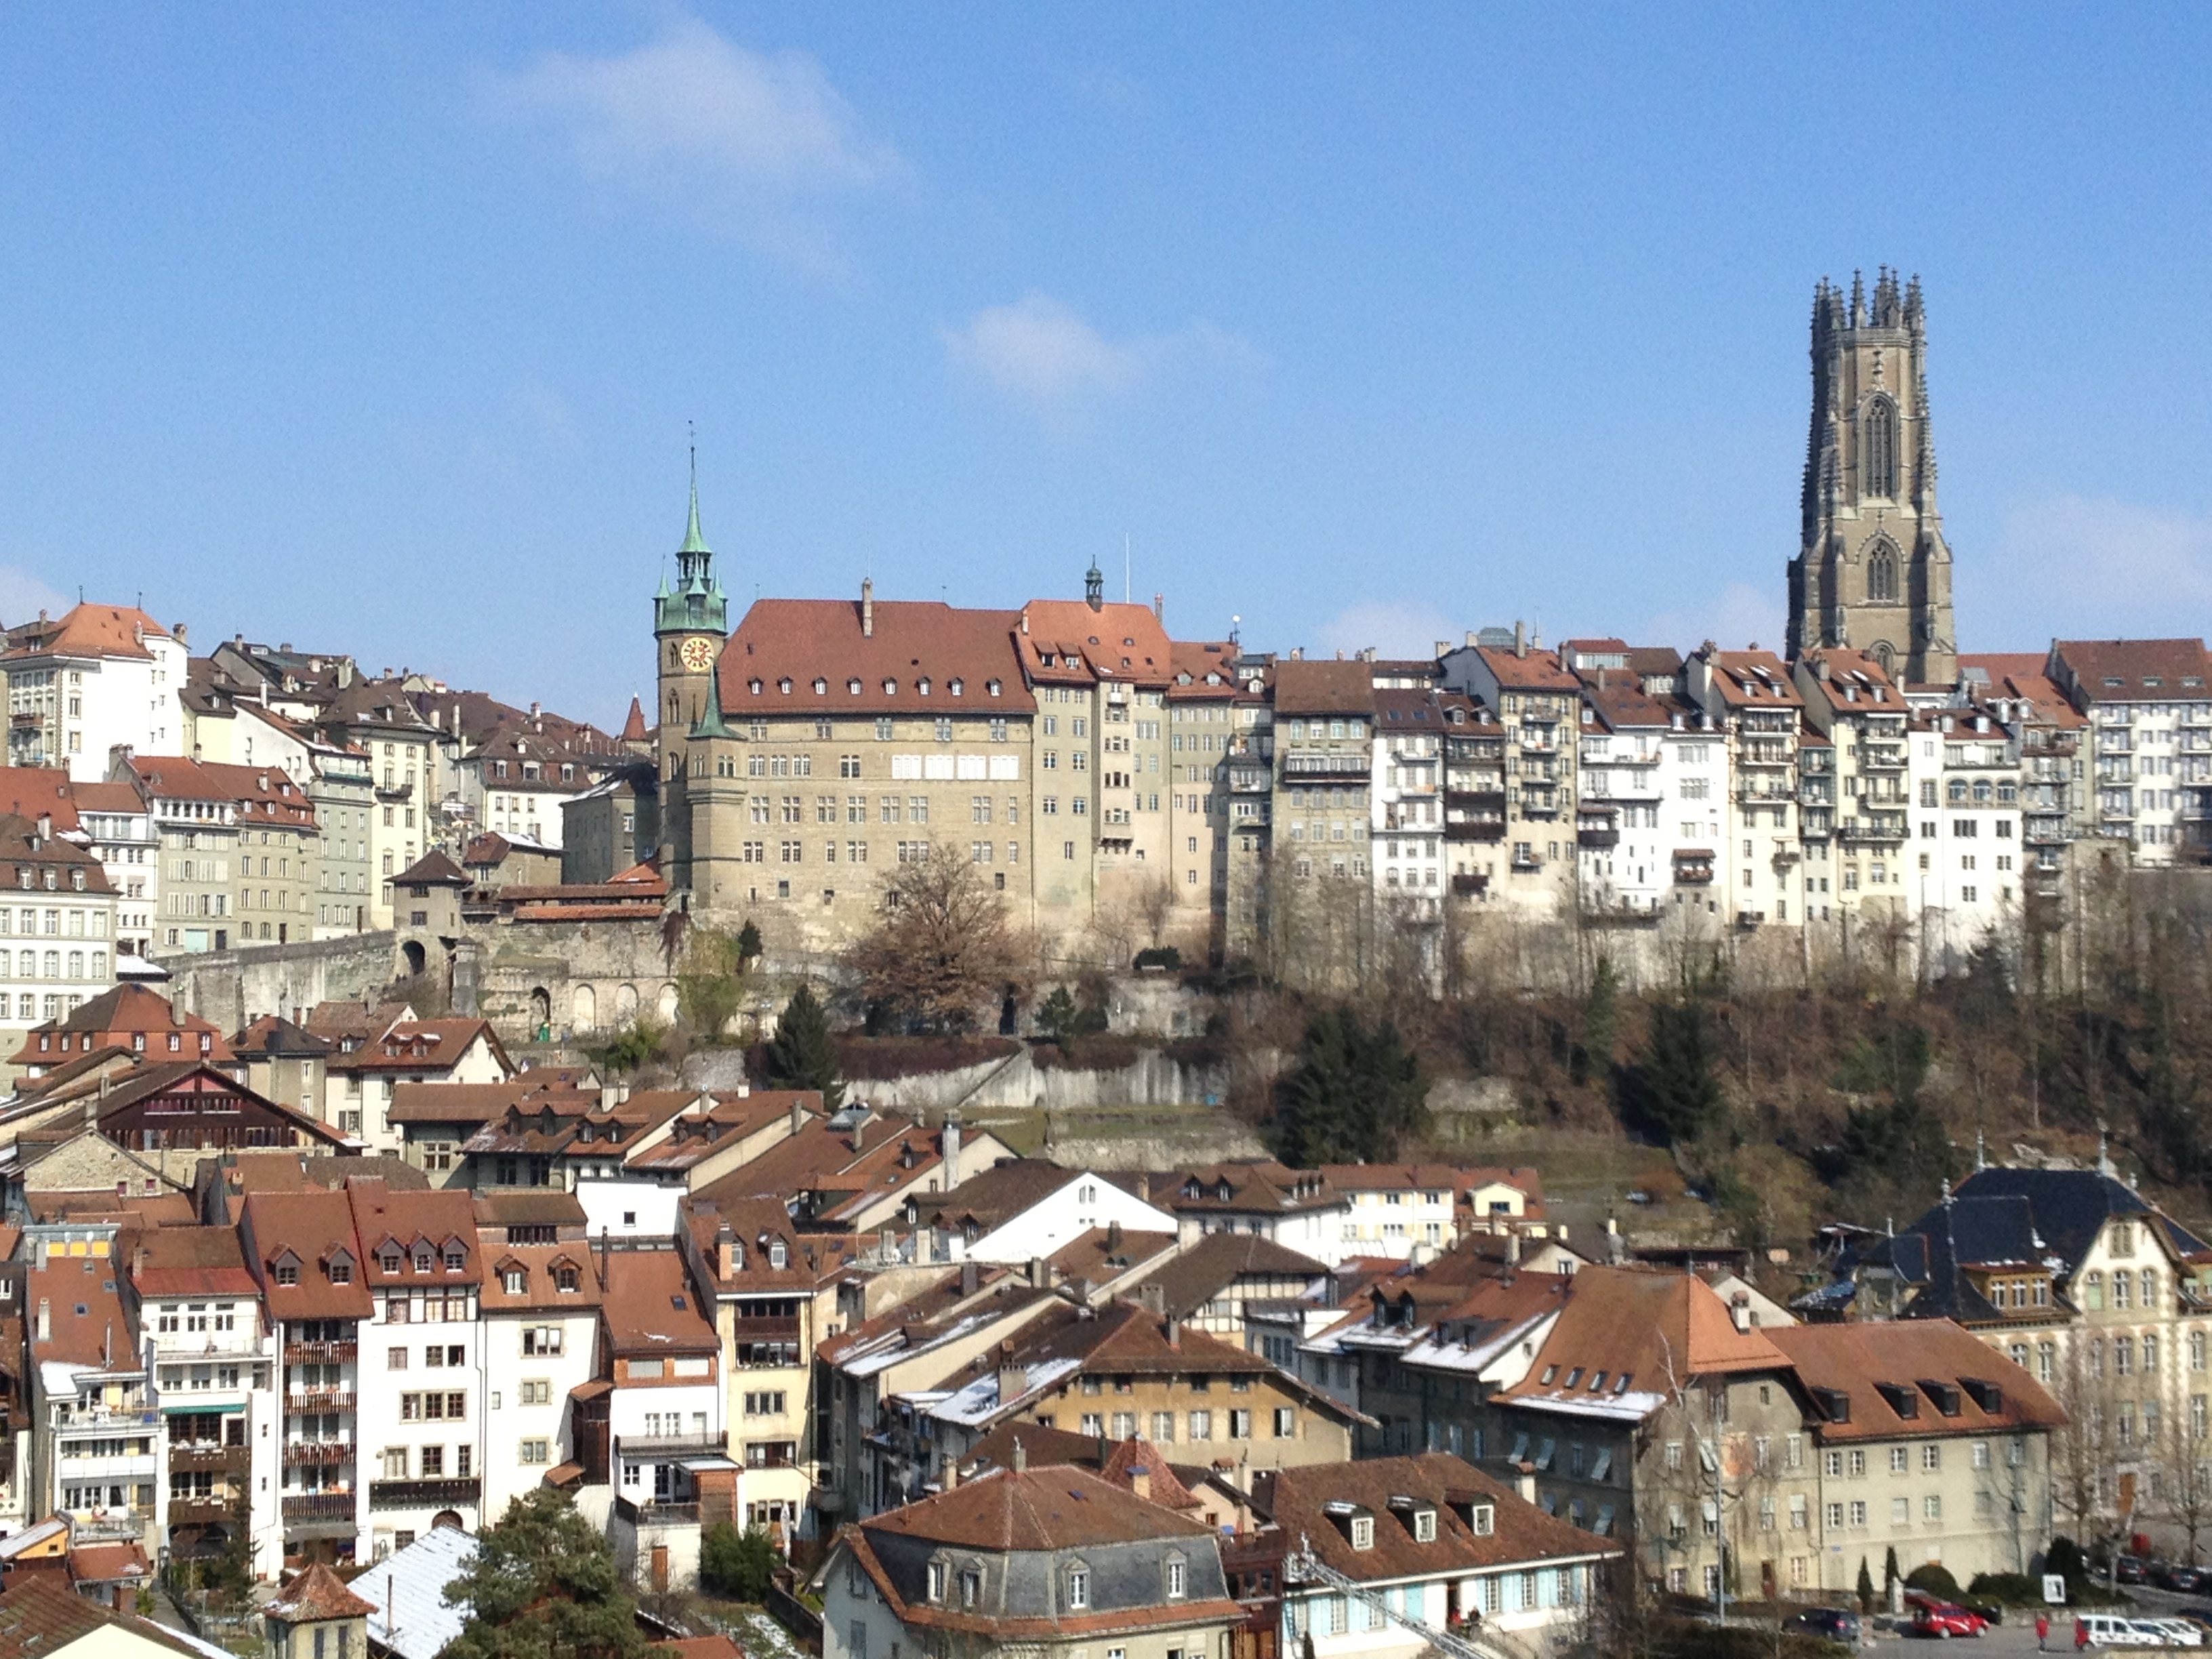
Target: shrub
<point>2012,1589</point>
<point>1933,1578</point>
<point>1160,955</point>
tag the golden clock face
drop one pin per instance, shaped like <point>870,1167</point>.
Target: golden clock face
<point>698,656</point>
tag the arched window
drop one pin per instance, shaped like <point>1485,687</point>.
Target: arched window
<point>1881,575</point>
<point>1878,448</point>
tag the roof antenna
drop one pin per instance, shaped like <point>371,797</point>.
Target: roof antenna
<point>1981,1155</point>
<point>1124,569</point>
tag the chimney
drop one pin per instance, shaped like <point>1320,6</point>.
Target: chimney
<point>1013,1379</point>
<point>1153,1296</point>
<point>1524,1482</point>
<point>951,1151</point>
<point>179,630</point>
<point>1021,1456</point>
<point>859,1131</point>
<point>867,607</point>
<point>46,1320</point>
<point>971,1278</point>
<point>1159,607</point>
<point>1443,648</point>
<point>724,1236</point>
<point>1141,1480</point>
<point>46,827</point>
<point>1520,639</point>
<point>1512,1249</point>
<point>948,1472</point>
<point>1040,1274</point>
<point>606,1096</point>
<point>603,1256</point>
<point>1113,1235</point>
<point>798,1117</point>
<point>1739,1311</point>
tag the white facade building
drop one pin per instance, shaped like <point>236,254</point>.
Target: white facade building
<point>541,1328</point>
<point>98,677</point>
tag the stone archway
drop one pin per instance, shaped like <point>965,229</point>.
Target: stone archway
<point>584,1009</point>
<point>625,1004</point>
<point>415,958</point>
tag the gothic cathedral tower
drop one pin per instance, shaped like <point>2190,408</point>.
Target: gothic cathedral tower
<point>1873,571</point>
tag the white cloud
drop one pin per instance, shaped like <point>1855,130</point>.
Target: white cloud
<point>1394,629</point>
<point>1041,352</point>
<point>694,116</point>
<point>22,596</point>
<point>2072,567</point>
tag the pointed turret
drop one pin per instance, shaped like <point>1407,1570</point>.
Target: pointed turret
<point>634,728</point>
<point>1094,586</point>
<point>698,603</point>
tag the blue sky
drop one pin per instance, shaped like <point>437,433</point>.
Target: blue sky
<point>378,329</point>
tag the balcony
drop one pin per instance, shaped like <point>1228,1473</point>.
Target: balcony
<point>318,1515</point>
<point>106,1525</point>
<point>668,1448</point>
<point>1325,766</point>
<point>1247,780</point>
<point>235,1459</point>
<point>321,1354</point>
<point>319,1402</point>
<point>659,1512</point>
<point>1470,886</point>
<point>198,1511</point>
<point>319,1453</point>
<point>1693,869</point>
<point>1539,806</point>
<point>1598,834</point>
<point>1475,800</point>
<point>1881,757</point>
<point>1526,862</point>
<point>422,1494</point>
<point>1872,827</point>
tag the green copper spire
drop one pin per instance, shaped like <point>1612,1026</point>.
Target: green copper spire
<point>693,541</point>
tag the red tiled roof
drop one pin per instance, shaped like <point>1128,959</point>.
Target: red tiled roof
<point>652,1308</point>
<point>315,1595</point>
<point>114,1018</point>
<point>87,631</point>
<point>799,640</point>
<point>31,790</point>
<point>1323,688</point>
<point>262,794</point>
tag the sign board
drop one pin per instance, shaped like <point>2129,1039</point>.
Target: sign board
<point>2054,1589</point>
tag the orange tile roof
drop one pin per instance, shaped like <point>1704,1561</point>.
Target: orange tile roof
<point>31,790</point>
<point>88,630</point>
<point>116,1019</point>
<point>262,794</point>
<point>652,1308</point>
<point>796,641</point>
<point>1877,1365</point>
<point>1656,1330</point>
<point>315,1594</point>
<point>1323,688</point>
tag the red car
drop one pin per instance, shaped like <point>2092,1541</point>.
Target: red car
<point>1946,1619</point>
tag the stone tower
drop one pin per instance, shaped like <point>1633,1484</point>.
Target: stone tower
<point>690,624</point>
<point>1873,571</point>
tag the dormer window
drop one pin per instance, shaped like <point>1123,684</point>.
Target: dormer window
<point>1363,1532</point>
<point>287,1269</point>
<point>1078,1589</point>
<point>1178,1576</point>
<point>390,1260</point>
<point>341,1268</point>
<point>515,1280</point>
<point>971,1586</point>
<point>1545,1381</point>
<point>176,1042</point>
<point>422,1259</point>
<point>1482,1519</point>
<point>564,1277</point>
<point>1424,1526</point>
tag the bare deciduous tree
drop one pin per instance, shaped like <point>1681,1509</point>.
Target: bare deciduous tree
<point>942,949</point>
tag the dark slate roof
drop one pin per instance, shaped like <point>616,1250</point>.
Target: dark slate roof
<point>2070,1207</point>
<point>1217,1262</point>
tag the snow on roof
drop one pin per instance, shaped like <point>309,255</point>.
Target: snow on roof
<point>979,1402</point>
<point>408,1590</point>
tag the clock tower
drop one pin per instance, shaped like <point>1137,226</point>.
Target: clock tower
<point>690,624</point>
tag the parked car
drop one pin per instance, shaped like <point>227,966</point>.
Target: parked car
<point>1834,1622</point>
<point>2179,1576</point>
<point>2200,1617</point>
<point>2128,1570</point>
<point>1947,1620</point>
<point>2110,1630</point>
<point>2179,1632</point>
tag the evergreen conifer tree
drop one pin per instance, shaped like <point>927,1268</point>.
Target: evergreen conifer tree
<point>803,1054</point>
<point>544,1580</point>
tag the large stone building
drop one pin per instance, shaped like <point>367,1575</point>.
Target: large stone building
<point>1873,571</point>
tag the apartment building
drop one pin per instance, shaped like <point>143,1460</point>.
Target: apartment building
<point>1921,1450</point>
<point>2056,804</point>
<point>377,719</point>
<point>1968,845</point>
<point>1626,828</point>
<point>237,847</point>
<point>1203,737</point>
<point>520,774</point>
<point>2149,718</point>
<point>98,678</point>
<point>669,1448</point>
<point>542,1306</point>
<point>117,825</point>
<point>1752,701</point>
<point>1538,702</point>
<point>58,914</point>
<point>1851,701</point>
<point>215,1363</point>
